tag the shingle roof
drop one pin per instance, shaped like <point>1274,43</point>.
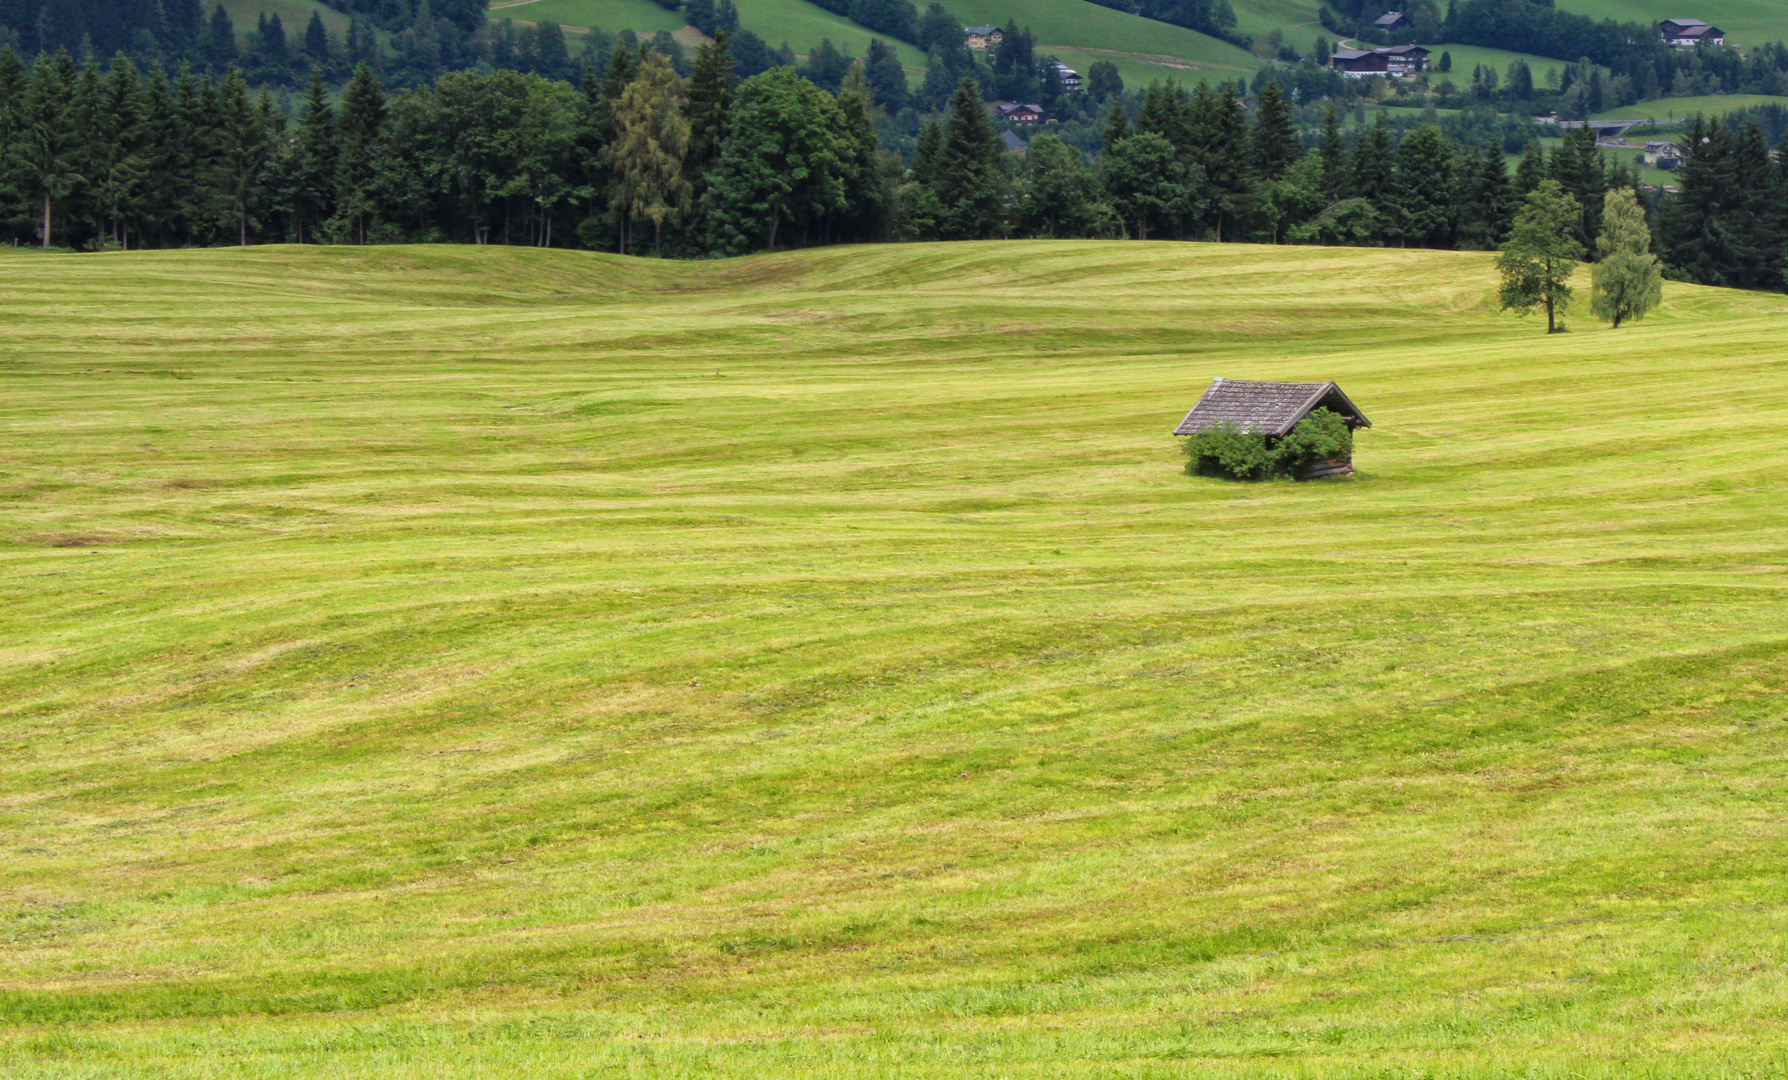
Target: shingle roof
<point>1264,408</point>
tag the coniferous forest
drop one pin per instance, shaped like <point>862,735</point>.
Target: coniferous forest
<point>646,151</point>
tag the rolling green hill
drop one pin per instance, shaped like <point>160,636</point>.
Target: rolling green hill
<point>1746,22</point>
<point>1684,108</point>
<point>796,22</point>
<point>295,14</point>
<point>452,662</point>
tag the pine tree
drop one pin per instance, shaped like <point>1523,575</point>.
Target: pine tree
<point>244,150</point>
<point>969,180</point>
<point>925,151</point>
<point>1580,171</point>
<point>1147,181</point>
<point>1275,144</point>
<point>708,108</point>
<point>46,146</point>
<point>1541,253</point>
<point>645,160</point>
<point>1337,177</point>
<point>866,198</point>
<point>1059,192</point>
<point>1425,189</point>
<point>1117,125</point>
<point>1530,171</point>
<point>1220,141</point>
<point>1698,226</point>
<point>361,118</point>
<point>117,151</point>
<point>887,78</point>
<point>316,40</point>
<point>1626,282</point>
<point>315,161</point>
<point>220,39</point>
<point>1373,167</point>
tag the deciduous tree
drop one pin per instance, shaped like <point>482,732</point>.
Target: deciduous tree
<point>1541,253</point>
<point>1626,282</point>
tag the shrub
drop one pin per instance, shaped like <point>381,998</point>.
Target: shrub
<point>1238,455</point>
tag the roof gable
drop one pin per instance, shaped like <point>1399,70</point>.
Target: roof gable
<point>1265,408</point>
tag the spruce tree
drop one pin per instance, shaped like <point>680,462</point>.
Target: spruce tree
<point>969,180</point>
<point>1275,144</point>
<point>1425,188</point>
<point>708,107</point>
<point>220,39</point>
<point>1530,170</point>
<point>316,40</point>
<point>1117,124</point>
<point>886,77</point>
<point>925,151</point>
<point>46,146</point>
<point>117,150</point>
<point>1373,165</point>
<point>1626,282</point>
<point>315,162</point>
<point>244,149</point>
<point>1697,227</point>
<point>1337,177</point>
<point>866,198</point>
<point>361,118</point>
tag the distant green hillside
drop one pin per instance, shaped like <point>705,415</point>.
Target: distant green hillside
<point>1078,32</point>
<point>295,14</point>
<point>1685,107</point>
<point>1746,22</point>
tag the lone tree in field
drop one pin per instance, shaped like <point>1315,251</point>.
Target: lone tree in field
<point>1541,253</point>
<point>1626,282</point>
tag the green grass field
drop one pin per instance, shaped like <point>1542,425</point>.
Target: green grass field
<point>1685,108</point>
<point>293,14</point>
<point>1746,22</point>
<point>451,662</point>
<point>802,25</point>
<point>1078,32</point>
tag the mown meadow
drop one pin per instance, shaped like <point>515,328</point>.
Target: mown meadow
<point>475,662</point>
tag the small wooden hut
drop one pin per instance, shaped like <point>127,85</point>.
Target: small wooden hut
<point>1272,409</point>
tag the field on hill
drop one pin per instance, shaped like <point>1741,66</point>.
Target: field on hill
<point>1685,108</point>
<point>453,662</point>
<point>1746,22</point>
<point>1078,32</point>
<point>293,14</point>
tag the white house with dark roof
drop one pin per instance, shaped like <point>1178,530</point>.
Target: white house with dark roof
<point>1689,32</point>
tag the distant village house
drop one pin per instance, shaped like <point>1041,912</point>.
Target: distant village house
<point>1395,61</point>
<point>1014,144</point>
<point>1391,20</point>
<point>1067,76</point>
<point>1688,32</point>
<point>1017,112</point>
<point>983,37</point>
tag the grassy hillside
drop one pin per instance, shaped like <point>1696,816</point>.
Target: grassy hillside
<point>797,22</point>
<point>1685,108</point>
<point>1143,49</point>
<point>1746,22</point>
<point>475,662</point>
<point>295,14</point>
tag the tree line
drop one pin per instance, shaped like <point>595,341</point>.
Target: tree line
<point>642,159</point>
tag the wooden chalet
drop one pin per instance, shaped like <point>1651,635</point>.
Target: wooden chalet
<point>1685,33</point>
<point>1017,112</point>
<point>1404,59</point>
<point>1391,20</point>
<point>1272,409</point>
<point>1359,63</point>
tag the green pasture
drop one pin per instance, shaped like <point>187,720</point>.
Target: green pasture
<point>477,662</point>
<point>1746,22</point>
<point>293,14</point>
<point>1466,57</point>
<point>796,22</point>
<point>1082,33</point>
<point>1686,108</point>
